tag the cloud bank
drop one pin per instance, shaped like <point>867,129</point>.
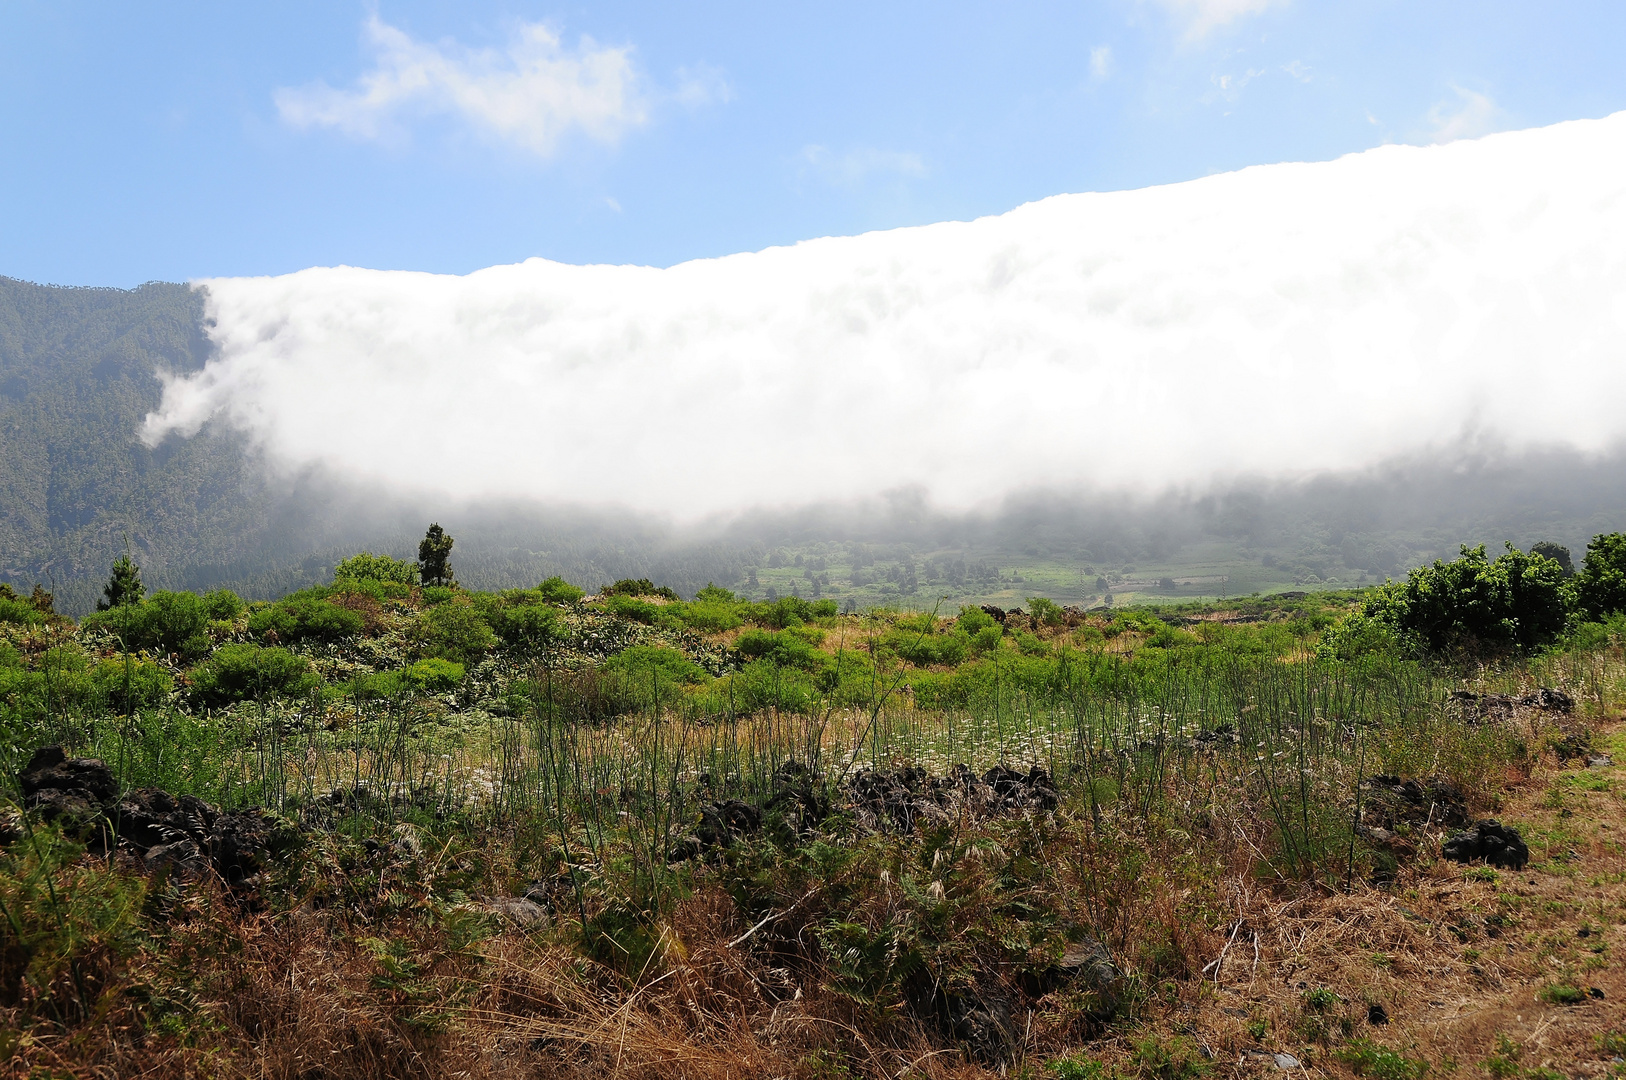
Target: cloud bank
<point>1278,322</point>
<point>531,94</point>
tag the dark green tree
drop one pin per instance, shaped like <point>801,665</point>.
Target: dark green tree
<point>1556,552</point>
<point>1600,587</point>
<point>434,557</point>
<point>124,587</point>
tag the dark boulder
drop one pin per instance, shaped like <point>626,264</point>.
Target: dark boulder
<point>1489,841</point>
<point>58,786</point>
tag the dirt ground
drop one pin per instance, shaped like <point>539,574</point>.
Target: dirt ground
<point>1475,971</point>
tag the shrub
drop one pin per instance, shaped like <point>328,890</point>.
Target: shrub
<point>1600,588</point>
<point>708,616</point>
<point>13,610</point>
<point>305,618</point>
<point>166,622</point>
<point>1047,611</point>
<point>223,604</point>
<point>433,675</point>
<point>130,684</point>
<point>973,620</point>
<point>1356,635</point>
<point>1475,604</point>
<point>521,618</point>
<point>1367,1058</point>
<point>365,566</point>
<point>630,607</point>
<point>780,649</point>
<point>638,587</point>
<point>556,590</point>
<point>244,672</point>
<point>455,632</point>
<point>644,664</point>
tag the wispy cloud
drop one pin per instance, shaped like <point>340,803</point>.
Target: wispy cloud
<point>1298,69</point>
<point>702,84</point>
<point>1101,63</point>
<point>852,167</point>
<point>530,93</point>
<point>1202,16</point>
<point>1467,116</point>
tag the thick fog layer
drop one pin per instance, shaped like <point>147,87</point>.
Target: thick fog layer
<point>1275,322</point>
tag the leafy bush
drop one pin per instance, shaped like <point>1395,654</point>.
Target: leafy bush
<point>639,587</point>
<point>1473,603</point>
<point>780,649</point>
<point>1046,611</point>
<point>245,672</point>
<point>1600,588</point>
<point>14,610</point>
<point>433,675</point>
<point>645,664</point>
<point>927,649</point>
<point>708,616</point>
<point>1367,1058</point>
<point>130,684</point>
<point>630,607</point>
<point>365,566</point>
<point>521,618</point>
<point>556,590</point>
<point>222,604</point>
<point>974,620</point>
<point>455,632</point>
<point>166,622</point>
<point>305,618</point>
<point>1356,635</point>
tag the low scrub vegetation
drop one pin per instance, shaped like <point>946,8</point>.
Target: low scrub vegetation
<point>631,834</point>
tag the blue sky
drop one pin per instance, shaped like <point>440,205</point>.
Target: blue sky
<point>206,139</point>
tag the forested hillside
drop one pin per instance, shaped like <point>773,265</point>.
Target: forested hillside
<point>78,370</point>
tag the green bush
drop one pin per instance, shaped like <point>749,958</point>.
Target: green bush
<point>973,620</point>
<point>250,672</point>
<point>1474,604</point>
<point>21,612</point>
<point>521,618</point>
<point>1600,587</point>
<point>781,649</point>
<point>556,590</point>
<point>365,566</point>
<point>455,632</point>
<point>646,666</point>
<point>222,605</point>
<point>130,684</point>
<point>1367,1058</point>
<point>433,675</point>
<point>304,618</point>
<point>708,616</point>
<point>638,587</point>
<point>165,622</point>
<point>630,607</point>
<point>1046,611</point>
<point>1356,635</point>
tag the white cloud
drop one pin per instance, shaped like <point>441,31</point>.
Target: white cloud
<point>1278,321</point>
<point>851,168</point>
<point>530,94</point>
<point>1202,16</point>
<point>1101,63</point>
<point>1467,116</point>
<point>1298,70</point>
<point>702,84</point>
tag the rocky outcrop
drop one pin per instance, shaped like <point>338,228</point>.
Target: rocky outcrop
<point>1491,842</point>
<point>174,833</point>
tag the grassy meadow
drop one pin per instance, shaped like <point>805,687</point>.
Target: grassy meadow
<point>540,832</point>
